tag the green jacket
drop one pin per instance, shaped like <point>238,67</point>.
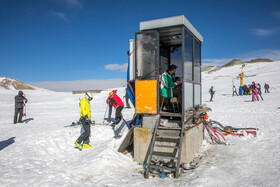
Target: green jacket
<point>166,85</point>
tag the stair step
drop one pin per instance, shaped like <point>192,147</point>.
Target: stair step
<point>162,168</point>
<point>169,128</point>
<point>164,157</point>
<point>170,114</point>
<point>166,136</point>
<point>167,146</point>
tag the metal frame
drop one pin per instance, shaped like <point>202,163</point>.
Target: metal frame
<point>157,61</point>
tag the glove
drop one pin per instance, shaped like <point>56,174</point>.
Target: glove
<point>87,120</point>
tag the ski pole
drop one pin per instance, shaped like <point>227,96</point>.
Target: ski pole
<point>24,112</point>
<point>105,113</point>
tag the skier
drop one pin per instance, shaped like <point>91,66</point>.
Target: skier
<point>259,90</point>
<point>115,101</point>
<point>167,83</point>
<point>110,107</point>
<point>250,89</point>
<point>244,89</point>
<point>254,92</point>
<point>212,92</point>
<point>85,119</point>
<point>234,91</point>
<point>20,101</point>
<point>266,87</point>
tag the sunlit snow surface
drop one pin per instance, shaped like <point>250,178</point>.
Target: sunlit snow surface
<point>43,154</point>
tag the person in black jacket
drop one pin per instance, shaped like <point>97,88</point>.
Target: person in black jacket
<point>20,100</point>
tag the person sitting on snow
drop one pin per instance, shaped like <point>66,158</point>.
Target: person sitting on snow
<point>20,101</point>
<point>83,141</point>
<point>115,101</point>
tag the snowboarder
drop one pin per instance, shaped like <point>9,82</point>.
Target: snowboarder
<point>167,83</point>
<point>234,91</point>
<point>266,87</point>
<point>212,92</point>
<point>20,101</point>
<point>83,141</point>
<point>254,92</point>
<point>115,101</point>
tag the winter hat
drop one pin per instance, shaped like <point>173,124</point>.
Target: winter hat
<point>253,82</point>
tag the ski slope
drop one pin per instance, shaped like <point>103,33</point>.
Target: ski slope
<point>41,153</point>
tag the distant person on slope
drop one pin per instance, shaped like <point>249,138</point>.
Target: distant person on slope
<point>115,101</point>
<point>266,88</point>
<point>254,92</point>
<point>83,141</point>
<point>234,91</point>
<point>212,92</point>
<point>259,90</point>
<point>20,101</point>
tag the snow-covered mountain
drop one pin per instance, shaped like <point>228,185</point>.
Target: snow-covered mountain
<point>234,62</point>
<point>13,84</point>
<point>41,153</point>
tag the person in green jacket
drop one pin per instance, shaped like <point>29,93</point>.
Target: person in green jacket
<point>167,83</point>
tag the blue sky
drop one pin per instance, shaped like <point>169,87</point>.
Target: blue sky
<point>65,40</point>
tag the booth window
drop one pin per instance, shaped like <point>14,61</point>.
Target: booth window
<point>197,62</point>
<point>188,51</point>
<point>147,47</point>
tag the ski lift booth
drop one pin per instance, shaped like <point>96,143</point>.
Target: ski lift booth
<point>159,44</point>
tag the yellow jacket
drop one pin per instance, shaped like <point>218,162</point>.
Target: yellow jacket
<point>85,108</point>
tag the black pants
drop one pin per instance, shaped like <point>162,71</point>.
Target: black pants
<point>18,111</point>
<point>235,93</point>
<point>118,117</point>
<point>85,136</point>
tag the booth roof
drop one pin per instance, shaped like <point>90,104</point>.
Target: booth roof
<point>168,22</point>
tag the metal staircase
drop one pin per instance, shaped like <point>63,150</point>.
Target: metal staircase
<point>162,155</point>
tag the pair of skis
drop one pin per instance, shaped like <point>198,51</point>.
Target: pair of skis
<point>217,131</point>
<point>229,130</point>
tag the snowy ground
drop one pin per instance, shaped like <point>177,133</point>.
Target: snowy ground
<point>41,153</point>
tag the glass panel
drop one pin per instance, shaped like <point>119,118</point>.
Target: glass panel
<point>197,97</point>
<point>188,49</point>
<point>147,47</point>
<point>164,59</point>
<point>188,97</point>
<point>176,58</point>
<point>197,62</point>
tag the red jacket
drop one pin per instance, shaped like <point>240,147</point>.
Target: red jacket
<point>114,100</point>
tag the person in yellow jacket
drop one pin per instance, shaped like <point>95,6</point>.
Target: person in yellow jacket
<point>83,141</point>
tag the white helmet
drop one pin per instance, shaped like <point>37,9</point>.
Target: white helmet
<point>89,96</point>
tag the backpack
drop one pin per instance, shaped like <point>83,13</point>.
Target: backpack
<point>266,86</point>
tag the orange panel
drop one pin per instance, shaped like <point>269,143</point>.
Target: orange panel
<point>146,97</point>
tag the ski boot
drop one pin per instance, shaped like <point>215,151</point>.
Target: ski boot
<point>79,146</point>
<point>86,146</point>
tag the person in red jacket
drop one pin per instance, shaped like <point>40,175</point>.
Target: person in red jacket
<point>115,101</point>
